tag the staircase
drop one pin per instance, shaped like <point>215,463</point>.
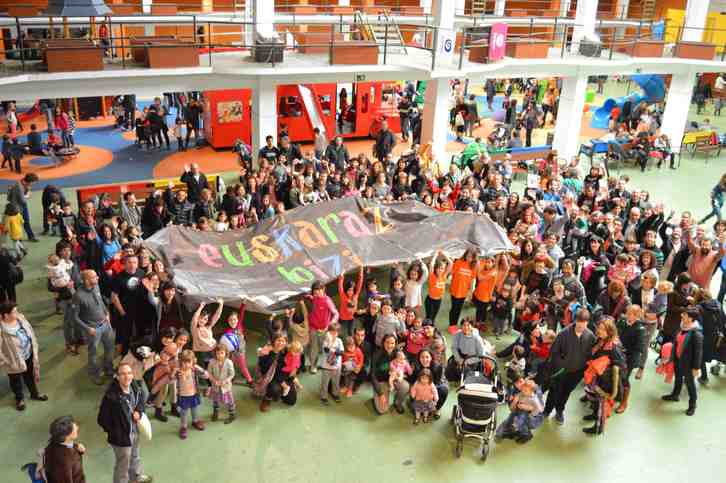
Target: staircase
<point>647,9</point>
<point>478,7</point>
<point>385,33</point>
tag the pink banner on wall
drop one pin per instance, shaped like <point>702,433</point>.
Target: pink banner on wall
<point>497,41</point>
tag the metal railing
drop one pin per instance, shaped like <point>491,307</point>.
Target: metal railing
<point>122,44</point>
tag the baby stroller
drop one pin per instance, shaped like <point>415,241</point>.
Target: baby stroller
<point>475,414</point>
<point>499,137</point>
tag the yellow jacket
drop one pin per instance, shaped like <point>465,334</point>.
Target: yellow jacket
<point>14,226</point>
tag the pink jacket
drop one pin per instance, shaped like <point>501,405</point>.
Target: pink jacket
<point>421,392</point>
<point>323,312</point>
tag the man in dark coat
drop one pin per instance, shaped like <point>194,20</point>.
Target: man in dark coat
<point>195,180</point>
<point>46,200</point>
<point>687,355</point>
<point>337,154</point>
<point>385,141</point>
<point>119,414</point>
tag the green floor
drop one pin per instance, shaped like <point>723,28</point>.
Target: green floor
<point>652,441</point>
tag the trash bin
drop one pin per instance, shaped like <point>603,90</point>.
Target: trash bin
<point>268,48</point>
<point>590,46</point>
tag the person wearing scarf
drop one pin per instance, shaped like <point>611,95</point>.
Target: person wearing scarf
<point>686,357</point>
<point>602,375</point>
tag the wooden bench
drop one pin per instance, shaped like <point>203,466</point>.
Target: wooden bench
<point>354,52</point>
<point>142,189</point>
<point>138,45</point>
<point>171,54</point>
<point>72,55</point>
<point>703,145</point>
<point>315,42</point>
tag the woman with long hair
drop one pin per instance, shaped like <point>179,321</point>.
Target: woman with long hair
<point>602,375</point>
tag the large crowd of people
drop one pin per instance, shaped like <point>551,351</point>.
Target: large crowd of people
<point>598,272</point>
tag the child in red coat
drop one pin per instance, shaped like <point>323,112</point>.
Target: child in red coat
<point>353,359</point>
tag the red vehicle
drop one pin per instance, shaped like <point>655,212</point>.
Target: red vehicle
<point>348,110</point>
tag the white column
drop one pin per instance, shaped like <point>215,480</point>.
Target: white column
<point>565,7</point>
<point>621,11</point>
<point>459,7</point>
<point>444,12</point>
<point>678,101</point>
<point>569,116</point>
<point>264,115</point>
<point>695,20</point>
<point>149,29</point>
<point>585,18</point>
<point>249,29</point>
<point>499,7</point>
<point>263,14</point>
<point>426,5</point>
<point>344,3</point>
<point>435,127</point>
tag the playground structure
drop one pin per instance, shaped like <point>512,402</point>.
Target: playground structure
<point>350,110</point>
<point>653,88</point>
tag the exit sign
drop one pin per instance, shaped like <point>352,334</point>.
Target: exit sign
<point>360,77</point>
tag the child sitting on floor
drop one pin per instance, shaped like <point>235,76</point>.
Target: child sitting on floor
<point>525,414</point>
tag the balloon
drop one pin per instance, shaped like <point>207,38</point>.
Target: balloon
<point>499,115</point>
<point>587,108</point>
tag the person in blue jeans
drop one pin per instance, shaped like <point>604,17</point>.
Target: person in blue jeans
<point>92,316</point>
<point>19,194</point>
<point>717,200</point>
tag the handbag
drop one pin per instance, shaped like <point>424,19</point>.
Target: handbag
<point>15,274</point>
<point>263,380</point>
<point>144,426</point>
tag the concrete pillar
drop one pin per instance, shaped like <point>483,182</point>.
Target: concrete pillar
<point>264,115</point>
<point>444,13</point>
<point>569,116</point>
<point>565,7</point>
<point>499,7</point>
<point>426,5</point>
<point>585,18</point>
<point>678,101</point>
<point>344,3</point>
<point>149,29</point>
<point>263,15</point>
<point>621,11</point>
<point>435,126</point>
<point>249,18</point>
<point>459,7</point>
<point>695,20</point>
<point>146,6</point>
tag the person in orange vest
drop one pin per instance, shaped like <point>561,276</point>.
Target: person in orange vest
<point>462,275</point>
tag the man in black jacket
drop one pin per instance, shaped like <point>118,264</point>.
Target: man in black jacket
<point>686,356</point>
<point>120,411</point>
<point>385,141</point>
<point>569,355</point>
<point>195,180</point>
<point>337,154</point>
<point>179,207</point>
<point>46,200</point>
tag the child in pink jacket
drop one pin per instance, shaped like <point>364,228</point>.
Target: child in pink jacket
<point>322,314</point>
<point>424,397</point>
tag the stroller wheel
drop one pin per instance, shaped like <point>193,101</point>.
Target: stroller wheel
<point>716,369</point>
<point>459,447</point>
<point>484,451</point>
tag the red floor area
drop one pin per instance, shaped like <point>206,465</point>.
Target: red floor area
<point>89,159</point>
